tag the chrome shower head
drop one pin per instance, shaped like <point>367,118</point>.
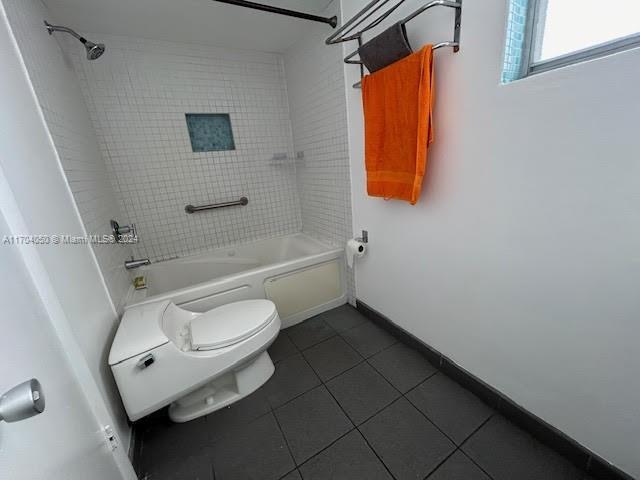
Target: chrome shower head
<point>94,50</point>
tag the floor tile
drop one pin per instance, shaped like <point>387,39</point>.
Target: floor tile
<point>362,392</point>
<point>455,410</point>
<point>368,339</point>
<point>403,366</point>
<point>293,376</point>
<point>312,422</point>
<point>458,467</point>
<point>310,332</point>
<point>282,348</point>
<point>506,452</point>
<point>164,439</point>
<point>332,357</point>
<point>295,475</point>
<point>223,421</point>
<point>257,451</point>
<point>189,468</point>
<point>348,459</point>
<point>409,445</point>
<point>343,318</point>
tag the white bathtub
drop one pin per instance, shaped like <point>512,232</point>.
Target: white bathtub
<point>301,275</point>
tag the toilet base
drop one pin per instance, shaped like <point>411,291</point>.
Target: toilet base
<point>224,390</point>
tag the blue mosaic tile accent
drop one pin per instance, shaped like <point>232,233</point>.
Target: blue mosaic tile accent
<point>516,35</point>
<point>210,132</point>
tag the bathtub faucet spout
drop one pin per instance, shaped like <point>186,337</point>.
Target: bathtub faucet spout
<point>131,264</point>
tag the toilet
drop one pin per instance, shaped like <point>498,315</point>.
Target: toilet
<point>194,362</point>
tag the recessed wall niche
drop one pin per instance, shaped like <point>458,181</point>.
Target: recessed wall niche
<point>210,132</point>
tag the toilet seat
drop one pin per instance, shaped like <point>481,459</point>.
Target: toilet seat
<point>230,324</point>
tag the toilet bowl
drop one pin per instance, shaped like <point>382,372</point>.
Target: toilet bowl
<point>195,362</point>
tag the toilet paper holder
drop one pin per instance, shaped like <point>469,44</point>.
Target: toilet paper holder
<point>364,238</point>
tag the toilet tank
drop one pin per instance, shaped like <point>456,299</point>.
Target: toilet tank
<point>140,330</point>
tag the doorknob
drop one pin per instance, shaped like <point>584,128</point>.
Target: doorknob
<point>22,401</point>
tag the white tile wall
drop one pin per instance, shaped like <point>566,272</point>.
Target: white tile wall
<point>138,94</point>
<point>315,83</point>
<point>68,120</point>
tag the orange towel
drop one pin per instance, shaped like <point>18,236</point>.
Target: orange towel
<point>398,103</point>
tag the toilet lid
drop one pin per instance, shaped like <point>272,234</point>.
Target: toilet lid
<point>231,323</point>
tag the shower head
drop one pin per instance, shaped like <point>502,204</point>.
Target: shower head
<point>94,50</point>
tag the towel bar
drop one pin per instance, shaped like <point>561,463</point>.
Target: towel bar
<point>344,33</point>
<point>435,47</point>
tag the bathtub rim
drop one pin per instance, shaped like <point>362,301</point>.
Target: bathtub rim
<point>202,289</point>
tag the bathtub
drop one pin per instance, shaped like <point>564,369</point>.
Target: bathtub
<point>301,275</point>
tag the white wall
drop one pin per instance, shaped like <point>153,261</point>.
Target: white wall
<point>521,261</point>
<point>65,441</point>
<point>138,93</point>
<point>33,169</point>
<point>68,120</point>
<point>315,85</point>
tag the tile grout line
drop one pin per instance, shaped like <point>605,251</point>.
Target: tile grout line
<point>286,442</point>
<point>341,373</point>
<point>300,394</point>
<point>322,384</point>
<point>366,360</point>
<point>435,469</point>
<point>356,427</point>
<point>324,448</point>
<point>459,449</point>
<point>430,421</point>
<point>339,334</point>
<point>475,463</point>
<point>273,411</point>
<point>412,388</point>
<point>375,453</point>
<point>404,395</point>
<point>469,437</point>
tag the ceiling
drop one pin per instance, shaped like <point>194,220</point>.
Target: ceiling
<point>192,21</point>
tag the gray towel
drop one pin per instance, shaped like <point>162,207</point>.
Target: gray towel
<point>388,47</point>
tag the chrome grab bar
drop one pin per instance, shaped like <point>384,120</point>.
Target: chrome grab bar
<point>191,209</point>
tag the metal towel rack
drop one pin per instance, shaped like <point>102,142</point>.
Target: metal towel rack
<point>191,209</point>
<point>375,14</point>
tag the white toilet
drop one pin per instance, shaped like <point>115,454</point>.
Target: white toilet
<point>197,362</point>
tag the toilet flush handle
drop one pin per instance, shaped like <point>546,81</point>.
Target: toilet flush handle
<point>146,361</point>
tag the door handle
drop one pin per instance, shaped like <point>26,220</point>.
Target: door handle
<point>22,401</point>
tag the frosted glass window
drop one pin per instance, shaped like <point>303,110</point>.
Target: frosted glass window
<point>210,132</point>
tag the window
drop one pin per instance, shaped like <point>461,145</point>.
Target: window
<point>547,34</point>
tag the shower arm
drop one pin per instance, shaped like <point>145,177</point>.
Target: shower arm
<point>60,28</point>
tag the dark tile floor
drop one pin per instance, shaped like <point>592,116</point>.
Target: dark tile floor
<point>347,402</point>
